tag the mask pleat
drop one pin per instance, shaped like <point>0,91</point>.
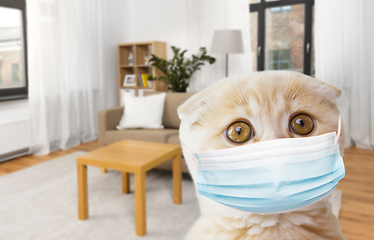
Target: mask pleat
<point>281,208</point>
<point>275,173</point>
<point>284,189</point>
<point>251,161</point>
<point>304,144</point>
<point>278,203</point>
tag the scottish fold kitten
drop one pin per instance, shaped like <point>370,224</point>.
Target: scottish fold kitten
<point>272,103</point>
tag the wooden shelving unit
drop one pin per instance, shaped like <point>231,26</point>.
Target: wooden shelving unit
<point>139,51</point>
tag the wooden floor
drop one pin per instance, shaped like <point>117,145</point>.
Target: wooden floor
<point>27,161</point>
<point>357,210</point>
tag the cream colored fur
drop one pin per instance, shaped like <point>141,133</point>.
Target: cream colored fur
<point>267,100</point>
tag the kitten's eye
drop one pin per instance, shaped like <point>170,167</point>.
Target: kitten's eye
<point>239,132</point>
<point>301,124</point>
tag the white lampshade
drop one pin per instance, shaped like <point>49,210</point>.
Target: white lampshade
<point>227,42</point>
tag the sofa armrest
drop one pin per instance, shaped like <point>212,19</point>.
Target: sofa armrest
<point>108,119</point>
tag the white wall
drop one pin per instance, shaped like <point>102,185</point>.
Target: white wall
<point>162,20</point>
<point>115,29</point>
<point>138,20</point>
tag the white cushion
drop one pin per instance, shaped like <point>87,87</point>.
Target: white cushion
<point>142,112</point>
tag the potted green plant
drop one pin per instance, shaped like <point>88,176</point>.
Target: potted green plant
<point>179,69</point>
<point>150,80</point>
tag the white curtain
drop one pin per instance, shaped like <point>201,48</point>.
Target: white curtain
<point>344,41</point>
<point>205,16</point>
<point>64,72</point>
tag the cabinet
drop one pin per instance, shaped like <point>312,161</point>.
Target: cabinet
<point>139,50</point>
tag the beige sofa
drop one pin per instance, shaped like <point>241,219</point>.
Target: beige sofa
<point>109,119</point>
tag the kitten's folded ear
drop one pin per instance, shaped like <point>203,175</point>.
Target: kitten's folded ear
<point>195,106</point>
<point>329,90</point>
<point>189,110</point>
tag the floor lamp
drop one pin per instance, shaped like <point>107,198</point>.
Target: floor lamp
<point>227,42</point>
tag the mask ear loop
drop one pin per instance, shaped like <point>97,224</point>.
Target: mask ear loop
<point>339,129</point>
<point>327,199</point>
<point>188,152</point>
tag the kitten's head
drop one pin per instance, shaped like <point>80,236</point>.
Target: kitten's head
<point>257,107</point>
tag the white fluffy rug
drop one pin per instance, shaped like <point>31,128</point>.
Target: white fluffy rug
<point>40,202</point>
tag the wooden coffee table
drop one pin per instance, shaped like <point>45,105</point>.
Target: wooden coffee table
<point>130,157</point>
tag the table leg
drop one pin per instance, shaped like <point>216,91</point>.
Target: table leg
<point>177,178</point>
<point>103,170</point>
<point>125,182</point>
<point>140,204</point>
<point>82,192</point>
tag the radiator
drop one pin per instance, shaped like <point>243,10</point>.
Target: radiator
<point>14,139</point>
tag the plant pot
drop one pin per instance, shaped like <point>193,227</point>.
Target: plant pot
<point>150,83</point>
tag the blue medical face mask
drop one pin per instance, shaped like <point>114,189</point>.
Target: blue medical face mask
<point>272,176</point>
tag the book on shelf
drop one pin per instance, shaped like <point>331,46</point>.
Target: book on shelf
<point>140,80</point>
<point>145,79</point>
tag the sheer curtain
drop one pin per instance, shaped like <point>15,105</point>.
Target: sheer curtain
<point>344,37</point>
<point>64,72</point>
<point>205,16</point>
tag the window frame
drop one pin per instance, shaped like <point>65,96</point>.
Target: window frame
<point>261,7</point>
<point>8,94</point>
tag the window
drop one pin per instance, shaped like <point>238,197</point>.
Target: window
<point>279,60</point>
<point>284,35</point>
<point>15,75</point>
<point>281,9</point>
<point>13,64</point>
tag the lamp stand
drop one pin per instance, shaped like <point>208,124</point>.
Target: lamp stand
<point>227,64</point>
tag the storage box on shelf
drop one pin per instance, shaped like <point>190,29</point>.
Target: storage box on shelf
<point>140,51</point>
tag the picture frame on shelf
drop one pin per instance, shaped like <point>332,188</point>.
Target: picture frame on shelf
<point>129,80</point>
